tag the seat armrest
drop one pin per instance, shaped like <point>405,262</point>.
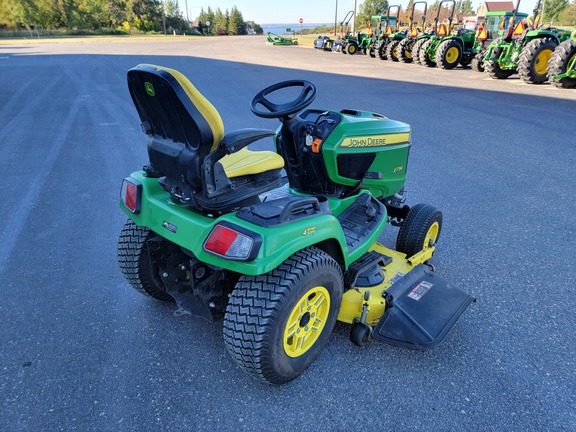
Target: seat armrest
<point>234,141</point>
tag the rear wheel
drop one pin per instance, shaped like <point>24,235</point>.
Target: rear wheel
<point>135,264</point>
<point>425,58</point>
<point>405,50</point>
<point>448,54</point>
<point>420,230</point>
<point>416,47</point>
<point>392,50</point>
<point>352,48</point>
<point>372,52</point>
<point>478,62</point>
<point>564,56</point>
<point>534,58</point>
<point>277,324</point>
<point>492,67</point>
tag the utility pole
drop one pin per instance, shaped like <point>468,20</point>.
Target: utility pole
<point>187,18</point>
<point>336,19</point>
<point>354,18</point>
<point>164,17</point>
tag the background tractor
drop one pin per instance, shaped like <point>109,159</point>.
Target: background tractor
<point>274,39</point>
<point>525,50</point>
<point>494,25</point>
<point>412,36</point>
<point>388,26</point>
<point>339,44</point>
<point>562,66</point>
<point>427,49</point>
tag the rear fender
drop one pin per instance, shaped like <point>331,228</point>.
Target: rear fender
<point>189,229</point>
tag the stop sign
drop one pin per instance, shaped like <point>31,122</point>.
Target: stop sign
<point>301,20</point>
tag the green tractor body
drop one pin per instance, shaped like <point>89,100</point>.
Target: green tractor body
<point>217,229</point>
<point>425,47</point>
<point>562,66</point>
<point>447,48</point>
<point>405,46</point>
<point>340,44</point>
<point>526,49</point>
<point>385,28</point>
<point>495,24</point>
<point>274,39</point>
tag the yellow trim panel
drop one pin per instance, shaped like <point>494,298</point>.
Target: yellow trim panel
<point>246,162</point>
<point>376,140</point>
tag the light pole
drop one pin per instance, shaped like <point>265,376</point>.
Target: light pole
<point>187,18</point>
<point>335,18</point>
<point>354,19</point>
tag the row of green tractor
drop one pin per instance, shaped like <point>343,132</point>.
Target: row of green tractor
<point>503,44</point>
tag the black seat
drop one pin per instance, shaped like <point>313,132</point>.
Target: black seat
<point>189,153</point>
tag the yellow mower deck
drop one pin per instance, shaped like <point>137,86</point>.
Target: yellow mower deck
<point>353,300</point>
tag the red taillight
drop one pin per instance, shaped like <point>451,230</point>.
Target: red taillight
<point>131,194</point>
<point>221,240</point>
<point>232,244</point>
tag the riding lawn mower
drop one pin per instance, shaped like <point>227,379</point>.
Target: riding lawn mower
<point>219,230</point>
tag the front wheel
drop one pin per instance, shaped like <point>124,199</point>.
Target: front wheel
<point>420,230</point>
<point>426,59</point>
<point>392,50</point>
<point>405,50</point>
<point>277,324</point>
<point>478,62</point>
<point>416,47</point>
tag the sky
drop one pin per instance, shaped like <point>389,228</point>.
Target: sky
<point>290,11</point>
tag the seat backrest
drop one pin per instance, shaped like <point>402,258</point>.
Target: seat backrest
<point>171,108</point>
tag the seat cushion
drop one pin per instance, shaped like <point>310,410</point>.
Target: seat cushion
<point>246,162</point>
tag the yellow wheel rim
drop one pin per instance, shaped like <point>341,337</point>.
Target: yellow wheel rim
<point>352,49</point>
<point>395,51</point>
<point>306,321</point>
<point>541,64</point>
<point>452,55</point>
<point>432,235</point>
<point>569,62</point>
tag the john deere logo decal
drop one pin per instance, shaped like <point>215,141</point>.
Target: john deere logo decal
<point>149,89</point>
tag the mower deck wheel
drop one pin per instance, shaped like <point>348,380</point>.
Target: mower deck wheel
<point>559,62</point>
<point>534,58</point>
<point>134,262</point>
<point>276,324</point>
<point>360,334</point>
<point>420,230</point>
<point>448,54</point>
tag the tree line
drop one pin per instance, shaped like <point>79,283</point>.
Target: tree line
<point>116,16</point>
<point>229,22</point>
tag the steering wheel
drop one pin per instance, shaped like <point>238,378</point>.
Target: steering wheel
<point>305,98</point>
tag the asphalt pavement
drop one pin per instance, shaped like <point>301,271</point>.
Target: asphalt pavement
<point>81,350</point>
